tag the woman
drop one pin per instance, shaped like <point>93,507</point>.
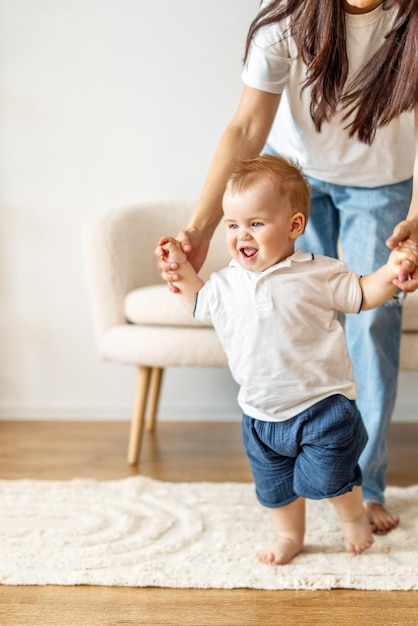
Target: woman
<point>345,75</point>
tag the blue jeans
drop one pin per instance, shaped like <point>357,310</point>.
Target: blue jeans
<point>312,455</point>
<point>362,219</point>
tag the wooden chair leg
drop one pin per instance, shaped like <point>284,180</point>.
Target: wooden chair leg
<point>138,416</point>
<point>154,395</point>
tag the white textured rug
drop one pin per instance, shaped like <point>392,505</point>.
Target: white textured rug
<point>142,532</point>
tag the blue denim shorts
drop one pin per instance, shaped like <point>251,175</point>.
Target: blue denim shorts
<point>312,455</point>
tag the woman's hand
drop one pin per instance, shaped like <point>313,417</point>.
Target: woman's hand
<point>193,244</point>
<point>407,230</point>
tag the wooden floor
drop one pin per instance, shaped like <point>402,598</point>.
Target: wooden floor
<point>179,452</point>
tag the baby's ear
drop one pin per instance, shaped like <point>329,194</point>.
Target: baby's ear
<point>297,225</point>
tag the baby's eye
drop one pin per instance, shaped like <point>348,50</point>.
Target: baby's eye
<point>232,226</point>
<point>257,224</point>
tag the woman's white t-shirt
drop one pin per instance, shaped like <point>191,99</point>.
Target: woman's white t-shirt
<point>273,65</point>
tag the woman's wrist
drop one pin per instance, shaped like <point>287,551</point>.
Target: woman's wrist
<point>204,230</point>
<point>205,220</point>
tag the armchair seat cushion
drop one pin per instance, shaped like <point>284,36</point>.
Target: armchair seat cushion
<point>156,305</point>
<point>158,346</point>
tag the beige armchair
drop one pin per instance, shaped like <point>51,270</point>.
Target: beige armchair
<point>139,322</point>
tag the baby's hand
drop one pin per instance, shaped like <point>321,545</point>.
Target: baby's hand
<point>170,250</point>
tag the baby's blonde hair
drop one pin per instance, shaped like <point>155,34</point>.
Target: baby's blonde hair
<point>286,176</point>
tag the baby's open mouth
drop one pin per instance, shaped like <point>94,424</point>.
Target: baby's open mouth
<point>248,252</point>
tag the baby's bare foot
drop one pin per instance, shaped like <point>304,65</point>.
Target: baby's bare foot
<point>380,519</point>
<point>357,534</point>
<point>280,551</point>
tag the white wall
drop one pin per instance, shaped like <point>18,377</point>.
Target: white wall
<point>103,103</point>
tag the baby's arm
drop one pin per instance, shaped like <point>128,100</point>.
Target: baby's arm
<point>382,284</point>
<point>189,282</point>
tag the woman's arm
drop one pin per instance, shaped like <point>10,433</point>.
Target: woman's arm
<point>408,228</point>
<point>244,137</point>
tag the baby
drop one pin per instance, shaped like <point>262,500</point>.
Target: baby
<point>275,311</point>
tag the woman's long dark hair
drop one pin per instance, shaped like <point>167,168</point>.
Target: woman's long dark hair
<point>386,87</point>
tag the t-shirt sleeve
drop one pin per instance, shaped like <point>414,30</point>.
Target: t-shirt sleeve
<point>269,60</point>
<point>346,290</point>
<point>201,309</point>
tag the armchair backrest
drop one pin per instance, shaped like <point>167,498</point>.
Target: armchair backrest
<point>119,253</point>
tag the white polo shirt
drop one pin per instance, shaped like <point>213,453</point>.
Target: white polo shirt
<point>279,328</point>
<point>274,65</point>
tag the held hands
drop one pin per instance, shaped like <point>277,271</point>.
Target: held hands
<point>191,243</point>
<point>171,253</point>
<point>171,256</point>
<point>168,260</point>
<point>404,259</point>
<point>406,234</point>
